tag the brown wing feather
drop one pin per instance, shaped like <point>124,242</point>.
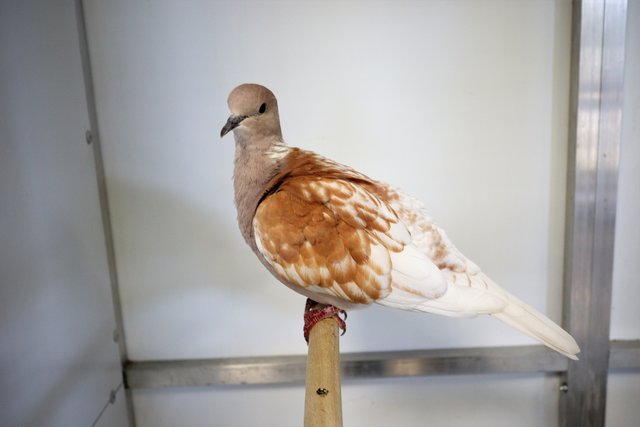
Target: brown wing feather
<point>329,236</point>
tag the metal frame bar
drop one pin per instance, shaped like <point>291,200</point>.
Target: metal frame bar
<point>597,69</point>
<point>413,363</point>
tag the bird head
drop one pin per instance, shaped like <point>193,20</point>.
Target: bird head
<point>254,112</point>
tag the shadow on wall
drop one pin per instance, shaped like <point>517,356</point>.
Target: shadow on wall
<point>184,268</point>
<point>65,399</point>
<point>61,361</point>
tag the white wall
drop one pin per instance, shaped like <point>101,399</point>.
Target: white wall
<point>625,316</point>
<point>463,104</point>
<point>477,400</point>
<point>58,361</point>
<point>623,388</point>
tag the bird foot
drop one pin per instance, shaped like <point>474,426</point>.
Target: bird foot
<point>315,312</point>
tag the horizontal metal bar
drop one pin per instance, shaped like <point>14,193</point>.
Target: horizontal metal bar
<point>452,361</point>
<point>624,354</point>
<point>412,363</point>
<point>205,372</point>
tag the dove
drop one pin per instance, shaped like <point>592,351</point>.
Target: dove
<point>346,241</point>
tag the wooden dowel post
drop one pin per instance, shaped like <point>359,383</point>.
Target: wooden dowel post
<point>323,399</point>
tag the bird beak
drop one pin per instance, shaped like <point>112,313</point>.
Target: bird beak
<point>231,124</point>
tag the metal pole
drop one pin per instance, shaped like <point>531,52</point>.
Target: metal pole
<point>595,124</point>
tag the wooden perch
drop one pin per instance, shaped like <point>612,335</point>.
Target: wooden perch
<point>323,399</point>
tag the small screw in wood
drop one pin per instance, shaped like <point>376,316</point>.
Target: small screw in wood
<point>322,392</point>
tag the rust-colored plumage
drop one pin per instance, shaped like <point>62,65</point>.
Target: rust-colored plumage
<point>319,229</point>
<point>342,238</point>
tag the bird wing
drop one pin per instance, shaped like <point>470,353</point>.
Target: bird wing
<point>469,291</point>
<point>332,236</point>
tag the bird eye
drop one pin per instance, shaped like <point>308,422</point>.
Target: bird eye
<point>263,108</point>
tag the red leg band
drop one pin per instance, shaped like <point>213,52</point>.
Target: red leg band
<point>315,312</point>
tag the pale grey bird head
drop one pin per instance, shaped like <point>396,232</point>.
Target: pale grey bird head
<point>254,113</point>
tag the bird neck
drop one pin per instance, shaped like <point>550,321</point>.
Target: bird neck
<point>254,167</point>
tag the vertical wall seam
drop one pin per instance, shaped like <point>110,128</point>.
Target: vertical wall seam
<point>103,197</point>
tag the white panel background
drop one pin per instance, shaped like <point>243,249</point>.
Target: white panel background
<point>463,104</point>
<point>58,361</point>
<point>625,316</point>
<point>623,388</point>
<point>497,401</point>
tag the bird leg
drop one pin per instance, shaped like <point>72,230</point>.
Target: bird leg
<point>315,312</point>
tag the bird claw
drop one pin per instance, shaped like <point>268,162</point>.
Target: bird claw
<point>315,312</point>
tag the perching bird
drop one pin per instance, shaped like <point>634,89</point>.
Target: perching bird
<point>345,240</point>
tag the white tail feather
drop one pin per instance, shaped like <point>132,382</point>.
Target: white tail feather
<point>535,324</point>
<point>463,301</point>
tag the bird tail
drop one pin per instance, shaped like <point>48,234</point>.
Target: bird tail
<point>535,324</point>
<point>486,297</point>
